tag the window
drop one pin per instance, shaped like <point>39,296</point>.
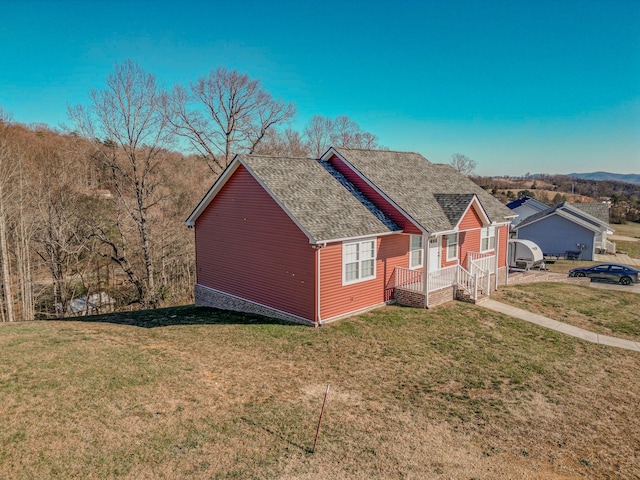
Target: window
<point>358,261</point>
<point>415,251</point>
<point>488,239</point>
<point>452,247</point>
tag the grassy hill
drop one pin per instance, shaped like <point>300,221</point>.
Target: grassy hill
<point>454,392</point>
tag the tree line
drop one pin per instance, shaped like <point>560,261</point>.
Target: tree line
<point>624,197</point>
<point>95,212</point>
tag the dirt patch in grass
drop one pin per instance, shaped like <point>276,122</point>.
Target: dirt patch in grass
<point>453,392</point>
<point>602,311</point>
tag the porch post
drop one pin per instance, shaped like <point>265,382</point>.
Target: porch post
<point>425,273</point>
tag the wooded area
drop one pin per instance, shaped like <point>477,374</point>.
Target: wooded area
<point>91,219</point>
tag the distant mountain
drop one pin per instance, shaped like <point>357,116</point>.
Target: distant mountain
<point>629,178</point>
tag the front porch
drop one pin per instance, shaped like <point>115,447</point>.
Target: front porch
<point>471,284</point>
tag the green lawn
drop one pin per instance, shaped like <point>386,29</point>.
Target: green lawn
<point>600,311</point>
<point>454,392</point>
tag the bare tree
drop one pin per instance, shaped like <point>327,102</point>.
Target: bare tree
<point>285,144</point>
<point>318,134</point>
<point>323,132</point>
<point>224,113</point>
<point>128,115</point>
<point>7,177</point>
<point>462,163</point>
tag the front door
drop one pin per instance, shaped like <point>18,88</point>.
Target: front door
<point>434,254</point>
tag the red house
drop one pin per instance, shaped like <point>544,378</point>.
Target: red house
<point>315,240</point>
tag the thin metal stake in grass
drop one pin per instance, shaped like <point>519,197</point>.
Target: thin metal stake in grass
<point>320,419</point>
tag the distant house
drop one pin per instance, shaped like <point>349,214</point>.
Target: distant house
<point>525,207</point>
<point>315,240</point>
<point>567,230</point>
<point>598,210</point>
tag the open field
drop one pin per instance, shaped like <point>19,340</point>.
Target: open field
<point>630,248</point>
<point>454,392</point>
<point>629,229</point>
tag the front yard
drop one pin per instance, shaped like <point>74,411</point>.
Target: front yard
<point>453,392</point>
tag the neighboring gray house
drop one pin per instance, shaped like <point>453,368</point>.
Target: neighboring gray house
<point>565,228</point>
<point>525,207</point>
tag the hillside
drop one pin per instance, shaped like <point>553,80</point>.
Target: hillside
<point>618,177</point>
<point>624,197</point>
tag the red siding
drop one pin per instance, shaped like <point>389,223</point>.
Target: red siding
<point>388,209</point>
<point>246,245</point>
<point>503,238</point>
<point>336,299</point>
<point>469,241</point>
<point>470,220</point>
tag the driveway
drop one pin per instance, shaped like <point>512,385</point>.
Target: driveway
<point>633,288</point>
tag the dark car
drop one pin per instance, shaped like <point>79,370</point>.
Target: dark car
<point>609,272</point>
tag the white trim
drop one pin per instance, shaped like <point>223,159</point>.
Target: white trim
<point>359,261</point>
<point>457,248</point>
<point>413,250</point>
<point>213,191</point>
<point>483,214</point>
<point>488,237</point>
<point>348,239</point>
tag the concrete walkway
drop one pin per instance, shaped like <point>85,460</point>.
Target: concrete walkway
<point>559,326</point>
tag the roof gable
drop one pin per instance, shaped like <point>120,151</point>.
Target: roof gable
<point>568,211</point>
<point>321,204</point>
<point>410,182</point>
<point>529,202</point>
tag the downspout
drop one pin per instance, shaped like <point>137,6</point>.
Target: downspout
<point>425,273</point>
<point>317,249</point>
<point>498,229</point>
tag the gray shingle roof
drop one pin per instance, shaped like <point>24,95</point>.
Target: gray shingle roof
<point>580,216</point>
<point>598,210</point>
<point>454,204</point>
<point>321,204</point>
<point>412,182</point>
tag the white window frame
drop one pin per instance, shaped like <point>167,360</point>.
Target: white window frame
<point>488,235</point>
<point>361,246</point>
<point>452,245</point>
<point>416,253</point>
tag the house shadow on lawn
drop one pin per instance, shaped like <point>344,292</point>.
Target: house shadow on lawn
<point>184,315</point>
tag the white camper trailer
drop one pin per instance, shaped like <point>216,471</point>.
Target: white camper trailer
<point>524,255</point>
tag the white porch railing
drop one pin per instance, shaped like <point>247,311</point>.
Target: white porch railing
<point>442,278</point>
<point>412,280</point>
<point>468,282</point>
<point>408,279</point>
<point>485,262</point>
<point>606,247</point>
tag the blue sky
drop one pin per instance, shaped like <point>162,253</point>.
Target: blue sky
<point>519,86</point>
